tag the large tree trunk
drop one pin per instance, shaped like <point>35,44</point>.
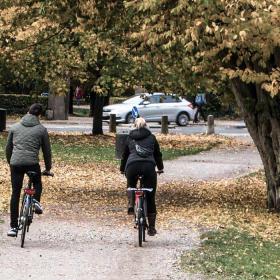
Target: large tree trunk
<point>92,98</point>
<point>262,116</point>
<point>97,115</point>
<point>71,97</point>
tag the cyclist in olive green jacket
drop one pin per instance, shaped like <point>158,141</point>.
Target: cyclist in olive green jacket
<point>25,140</point>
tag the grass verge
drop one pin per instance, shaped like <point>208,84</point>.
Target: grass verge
<point>81,112</point>
<point>91,153</point>
<point>169,154</point>
<point>230,254</point>
<point>86,148</point>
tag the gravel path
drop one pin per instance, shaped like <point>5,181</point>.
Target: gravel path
<point>70,249</point>
<point>212,165</point>
<point>76,249</point>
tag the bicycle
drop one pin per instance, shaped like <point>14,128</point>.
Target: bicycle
<point>140,209</point>
<point>27,207</point>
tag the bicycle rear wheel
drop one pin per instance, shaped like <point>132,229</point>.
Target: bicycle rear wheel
<point>21,212</point>
<point>24,222</point>
<point>144,219</point>
<point>144,231</point>
<point>140,233</point>
<point>141,228</point>
<point>23,230</point>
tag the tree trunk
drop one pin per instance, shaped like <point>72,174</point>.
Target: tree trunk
<point>262,116</point>
<point>106,100</point>
<point>71,97</point>
<point>97,115</point>
<point>92,98</point>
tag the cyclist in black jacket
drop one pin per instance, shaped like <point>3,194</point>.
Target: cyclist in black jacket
<point>140,156</point>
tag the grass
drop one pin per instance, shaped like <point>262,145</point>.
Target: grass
<point>169,154</point>
<point>81,112</point>
<point>230,254</point>
<point>83,153</point>
<point>100,151</point>
<point>107,153</point>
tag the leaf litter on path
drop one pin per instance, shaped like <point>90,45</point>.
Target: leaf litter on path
<point>97,189</point>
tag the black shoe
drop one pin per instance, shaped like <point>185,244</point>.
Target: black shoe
<point>130,211</point>
<point>152,231</point>
<point>38,207</point>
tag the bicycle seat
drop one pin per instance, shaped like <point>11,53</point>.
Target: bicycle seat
<point>31,174</point>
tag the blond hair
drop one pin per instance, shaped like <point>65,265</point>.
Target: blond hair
<point>139,123</point>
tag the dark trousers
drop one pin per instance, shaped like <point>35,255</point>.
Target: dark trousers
<point>199,110</point>
<point>147,170</point>
<point>17,175</point>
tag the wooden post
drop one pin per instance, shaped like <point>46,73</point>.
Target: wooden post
<point>113,123</point>
<point>164,124</point>
<point>3,113</point>
<point>210,125</point>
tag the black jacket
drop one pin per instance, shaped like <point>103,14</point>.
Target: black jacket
<point>146,139</point>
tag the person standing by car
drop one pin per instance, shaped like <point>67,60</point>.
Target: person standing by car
<point>25,139</point>
<point>140,156</point>
<point>200,101</point>
<point>79,94</point>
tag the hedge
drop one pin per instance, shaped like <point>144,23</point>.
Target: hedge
<point>116,99</point>
<point>19,103</point>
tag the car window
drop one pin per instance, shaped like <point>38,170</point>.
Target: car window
<point>170,99</point>
<point>134,100</point>
<point>154,99</point>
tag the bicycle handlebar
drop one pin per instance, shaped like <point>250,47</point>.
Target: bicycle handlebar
<point>140,189</point>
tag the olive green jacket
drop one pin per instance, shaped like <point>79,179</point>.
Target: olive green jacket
<point>25,140</point>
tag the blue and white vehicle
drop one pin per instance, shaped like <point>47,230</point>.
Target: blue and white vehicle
<point>152,107</point>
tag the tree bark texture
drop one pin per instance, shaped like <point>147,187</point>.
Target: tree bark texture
<point>97,115</point>
<point>71,97</point>
<point>261,114</point>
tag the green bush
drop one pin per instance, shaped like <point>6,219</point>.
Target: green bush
<point>116,100</point>
<point>19,103</point>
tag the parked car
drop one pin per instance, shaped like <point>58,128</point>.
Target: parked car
<point>152,107</point>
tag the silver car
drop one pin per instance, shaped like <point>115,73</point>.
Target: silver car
<point>152,107</point>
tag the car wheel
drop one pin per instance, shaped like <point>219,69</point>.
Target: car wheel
<point>183,119</point>
<point>129,118</point>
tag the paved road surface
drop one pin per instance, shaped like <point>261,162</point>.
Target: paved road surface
<point>84,125</point>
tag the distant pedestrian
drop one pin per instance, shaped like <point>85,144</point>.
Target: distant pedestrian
<point>79,94</point>
<point>200,101</point>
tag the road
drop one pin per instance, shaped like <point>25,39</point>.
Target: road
<point>84,125</point>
